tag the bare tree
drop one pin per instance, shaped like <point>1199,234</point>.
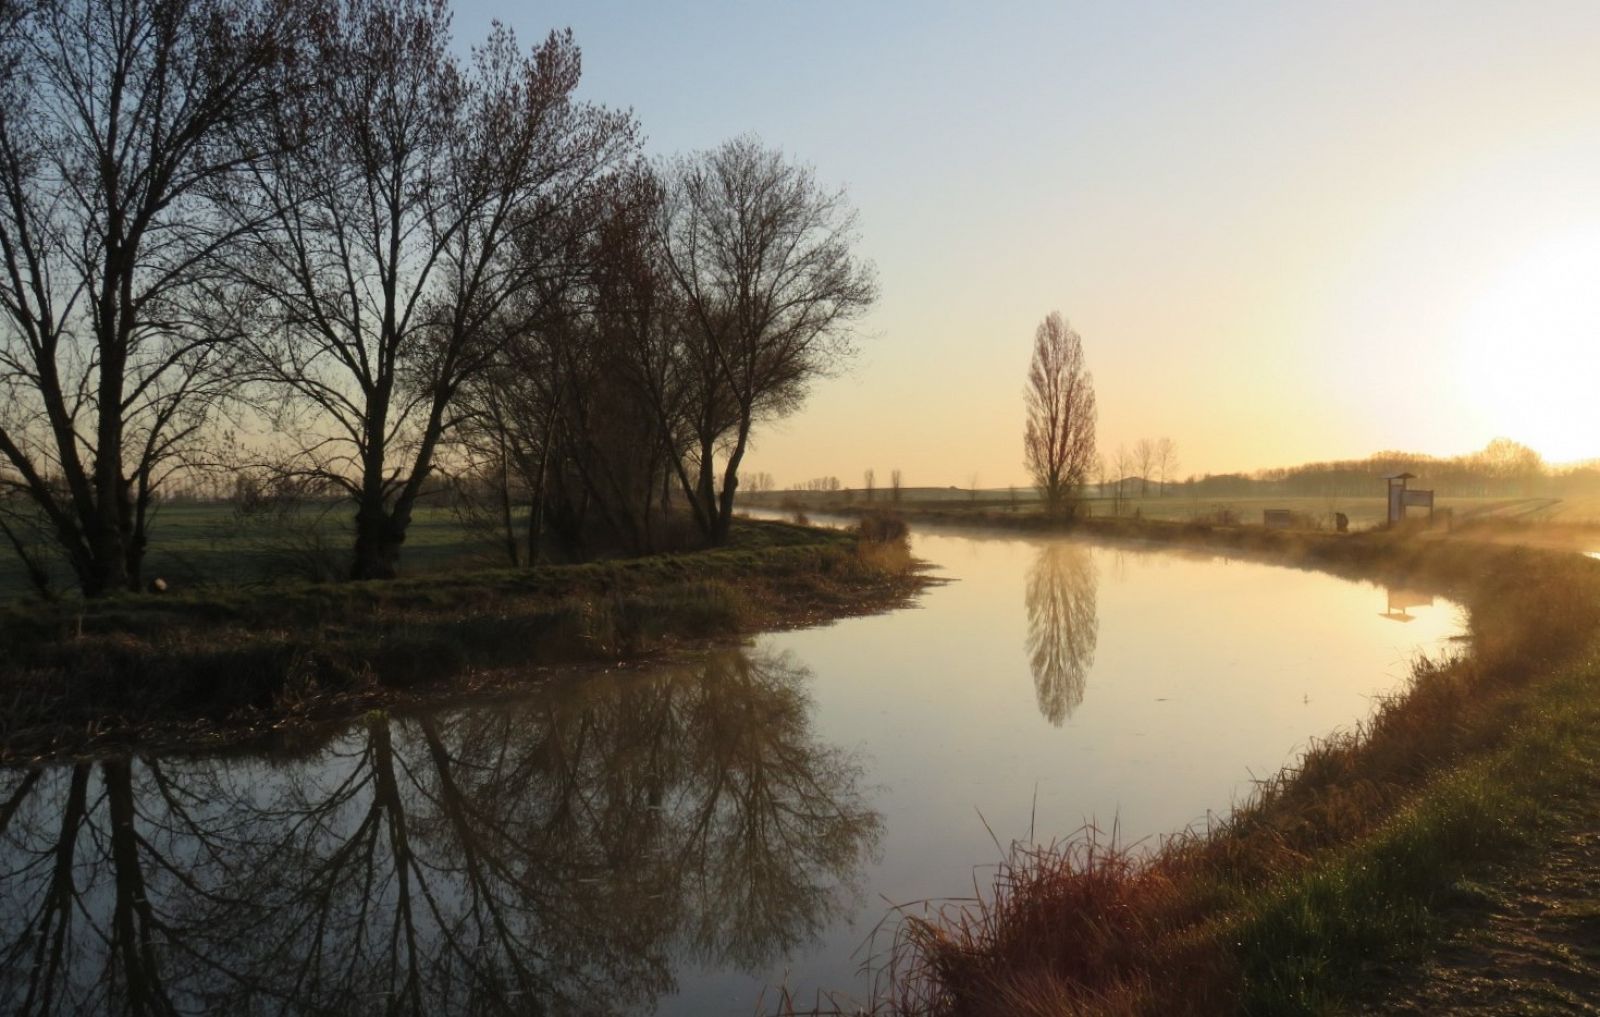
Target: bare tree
<point>760,255</point>
<point>1507,465</point>
<point>868,478</point>
<point>1166,461</point>
<point>1121,464</point>
<point>622,398</point>
<point>422,204</point>
<point>1144,457</point>
<point>120,128</point>
<point>972,487</point>
<point>1059,440</point>
<point>894,486</point>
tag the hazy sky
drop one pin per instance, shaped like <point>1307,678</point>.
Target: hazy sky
<point>1285,231</point>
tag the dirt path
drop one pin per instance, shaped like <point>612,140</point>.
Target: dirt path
<point>1524,941</point>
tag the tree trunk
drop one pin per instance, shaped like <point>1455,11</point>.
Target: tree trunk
<point>505,507</point>
<point>380,532</point>
<point>535,527</point>
<point>377,550</point>
<point>706,491</point>
<point>723,513</point>
<point>108,565</point>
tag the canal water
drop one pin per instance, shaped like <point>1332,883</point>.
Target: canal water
<point>702,837</point>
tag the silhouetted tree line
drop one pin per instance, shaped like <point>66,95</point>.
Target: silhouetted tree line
<point>818,484</point>
<point>412,265</point>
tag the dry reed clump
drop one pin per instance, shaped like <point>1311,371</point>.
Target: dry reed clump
<point>1084,926</point>
<point>882,527</point>
<point>883,542</point>
<point>1066,927</point>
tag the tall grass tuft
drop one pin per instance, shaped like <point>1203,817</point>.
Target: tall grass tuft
<point>1065,928</point>
<point>883,541</point>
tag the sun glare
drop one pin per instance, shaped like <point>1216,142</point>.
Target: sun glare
<point>1530,357</point>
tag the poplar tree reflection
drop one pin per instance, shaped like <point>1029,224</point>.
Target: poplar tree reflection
<point>1063,626</point>
<point>556,855</point>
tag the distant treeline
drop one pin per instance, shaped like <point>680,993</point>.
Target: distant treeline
<point>1502,468</point>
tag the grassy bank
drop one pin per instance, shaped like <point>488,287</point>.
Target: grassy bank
<point>1338,869</point>
<point>212,665</point>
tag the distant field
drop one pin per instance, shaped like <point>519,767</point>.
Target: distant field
<point>1363,511</point>
<point>200,545</point>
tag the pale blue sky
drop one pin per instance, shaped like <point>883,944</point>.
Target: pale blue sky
<point>1285,231</point>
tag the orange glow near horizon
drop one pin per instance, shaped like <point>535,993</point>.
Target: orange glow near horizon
<point>1530,349</point>
<point>1286,233</point>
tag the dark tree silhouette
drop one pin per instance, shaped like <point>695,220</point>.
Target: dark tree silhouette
<point>1166,461</point>
<point>416,206</point>
<point>1058,443</point>
<point>1121,464</point>
<point>760,258</point>
<point>1144,457</point>
<point>121,127</point>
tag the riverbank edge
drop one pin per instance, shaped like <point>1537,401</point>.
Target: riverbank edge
<point>1336,872</point>
<point>210,669</point>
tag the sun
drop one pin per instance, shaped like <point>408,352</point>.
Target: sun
<point>1529,363</point>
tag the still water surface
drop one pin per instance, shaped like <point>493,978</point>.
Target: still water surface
<point>685,840</point>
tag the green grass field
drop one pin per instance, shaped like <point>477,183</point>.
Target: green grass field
<point>203,545</point>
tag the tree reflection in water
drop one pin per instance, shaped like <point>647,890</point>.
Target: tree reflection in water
<point>1063,626</point>
<point>554,855</point>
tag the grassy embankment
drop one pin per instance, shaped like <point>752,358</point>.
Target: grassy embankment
<point>1340,866</point>
<point>219,663</point>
